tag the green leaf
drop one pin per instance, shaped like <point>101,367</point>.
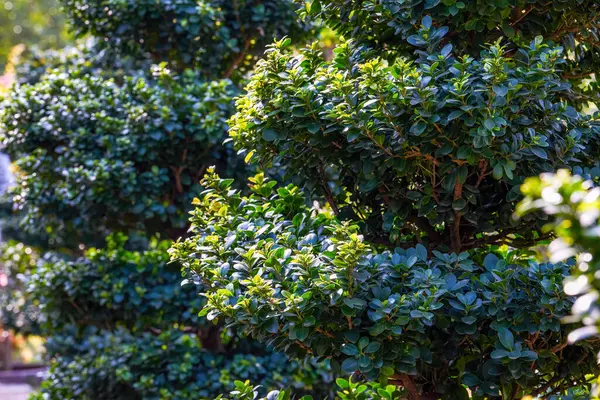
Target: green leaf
<point>426,22</point>
<point>455,114</point>
<point>500,90</point>
<point>470,380</point>
<point>353,135</point>
<point>541,153</point>
<point>273,326</point>
<point>490,261</point>
<point>489,124</point>
<point>363,342</point>
<point>349,349</point>
<point>498,171</point>
<point>459,204</point>
<point>270,135</point>
<point>342,383</point>
<point>352,336</point>
<point>301,332</point>
<point>350,365</point>
<point>369,103</point>
<point>463,152</point>
<point>315,7</point>
<point>499,354</point>
<point>372,347</point>
<point>506,338</point>
<point>508,30</point>
<point>418,128</point>
<point>314,128</point>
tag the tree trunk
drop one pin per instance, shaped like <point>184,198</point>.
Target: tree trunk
<point>407,382</point>
<point>210,337</point>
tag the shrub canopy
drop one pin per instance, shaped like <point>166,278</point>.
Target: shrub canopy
<point>104,143</point>
<point>442,142</point>
<point>392,25</point>
<point>115,155</point>
<point>413,142</point>
<point>308,284</point>
<point>220,37</point>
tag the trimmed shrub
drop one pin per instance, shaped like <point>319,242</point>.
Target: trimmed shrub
<point>105,146</point>
<point>411,144</point>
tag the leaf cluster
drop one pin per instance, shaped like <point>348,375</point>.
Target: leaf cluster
<point>389,24</point>
<point>171,365</point>
<point>436,147</point>
<point>96,153</point>
<point>220,37</point>
<point>307,284</point>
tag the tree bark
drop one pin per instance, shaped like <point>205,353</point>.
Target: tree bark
<point>210,337</point>
<point>407,382</point>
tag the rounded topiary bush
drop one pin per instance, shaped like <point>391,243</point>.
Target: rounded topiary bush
<point>442,142</point>
<point>220,37</point>
<point>131,333</point>
<point>135,148</point>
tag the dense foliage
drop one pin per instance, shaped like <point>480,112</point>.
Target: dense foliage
<point>308,284</point>
<point>392,25</point>
<point>171,365</point>
<point>442,140</point>
<point>135,148</point>
<point>114,287</point>
<point>412,144</point>
<point>106,143</point>
<point>221,37</point>
<point>349,390</point>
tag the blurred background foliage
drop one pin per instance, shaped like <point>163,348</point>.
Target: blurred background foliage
<point>29,22</point>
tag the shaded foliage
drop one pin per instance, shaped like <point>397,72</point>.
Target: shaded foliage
<point>220,37</point>
<point>308,284</point>
<point>114,155</point>
<point>412,142</point>
<point>170,365</point>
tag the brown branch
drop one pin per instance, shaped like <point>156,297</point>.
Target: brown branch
<point>327,192</point>
<point>238,59</point>
<point>523,15</point>
<point>407,383</point>
<point>455,236</point>
<point>322,332</point>
<point>578,76</point>
<point>177,174</point>
<point>483,164</point>
<point>433,185</point>
<point>559,347</point>
<point>546,386</point>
